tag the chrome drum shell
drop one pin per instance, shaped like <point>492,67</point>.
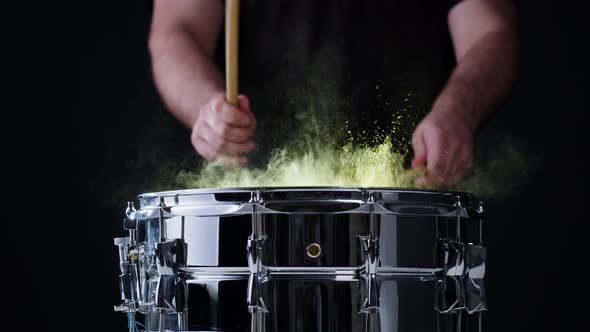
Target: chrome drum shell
<point>309,259</point>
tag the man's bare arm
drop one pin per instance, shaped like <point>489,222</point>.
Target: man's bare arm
<point>182,43</point>
<point>183,40</point>
<point>485,40</point>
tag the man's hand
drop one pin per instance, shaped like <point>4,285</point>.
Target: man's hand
<point>224,132</point>
<point>443,143</point>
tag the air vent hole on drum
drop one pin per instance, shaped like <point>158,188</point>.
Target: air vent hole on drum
<point>314,250</point>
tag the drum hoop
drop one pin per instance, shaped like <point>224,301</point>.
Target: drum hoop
<point>238,201</point>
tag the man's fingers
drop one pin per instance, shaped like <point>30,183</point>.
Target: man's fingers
<point>419,150</point>
<point>232,115</point>
<point>222,146</point>
<point>227,131</point>
<point>244,103</point>
<point>203,148</point>
<point>445,147</point>
<point>460,164</point>
<point>207,148</point>
<point>224,132</point>
<point>452,158</point>
<point>245,106</point>
<point>436,157</point>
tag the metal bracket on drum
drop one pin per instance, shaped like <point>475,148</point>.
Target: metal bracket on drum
<point>368,276</point>
<point>171,256</point>
<point>475,297</point>
<point>258,273</point>
<point>368,272</point>
<point>171,291</point>
<point>460,284</point>
<point>171,297</point>
<point>460,293</point>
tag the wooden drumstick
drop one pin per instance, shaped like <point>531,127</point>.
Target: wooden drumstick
<point>232,10</point>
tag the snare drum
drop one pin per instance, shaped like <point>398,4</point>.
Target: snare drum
<point>303,259</point>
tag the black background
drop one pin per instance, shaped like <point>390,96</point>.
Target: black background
<point>80,109</point>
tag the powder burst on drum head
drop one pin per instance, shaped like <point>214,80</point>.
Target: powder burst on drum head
<point>327,150</point>
<point>328,165</point>
<point>332,145</point>
<point>330,150</point>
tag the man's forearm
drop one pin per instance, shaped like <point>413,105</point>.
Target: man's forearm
<point>185,74</point>
<point>482,78</point>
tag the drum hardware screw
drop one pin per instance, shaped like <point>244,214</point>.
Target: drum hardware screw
<point>314,250</point>
<point>162,222</point>
<point>371,197</point>
<point>458,201</point>
<point>255,197</point>
<point>133,255</point>
<point>130,211</point>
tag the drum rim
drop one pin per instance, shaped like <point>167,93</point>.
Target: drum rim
<point>198,198</point>
<point>172,193</point>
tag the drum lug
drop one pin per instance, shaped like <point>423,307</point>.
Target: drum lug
<point>171,256</point>
<point>368,277</point>
<point>461,283</point>
<point>449,257</point>
<point>368,273</point>
<point>474,284</point>
<point>450,294</point>
<point>171,291</point>
<point>171,294</point>
<point>258,274</point>
<point>457,293</point>
<point>458,321</point>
